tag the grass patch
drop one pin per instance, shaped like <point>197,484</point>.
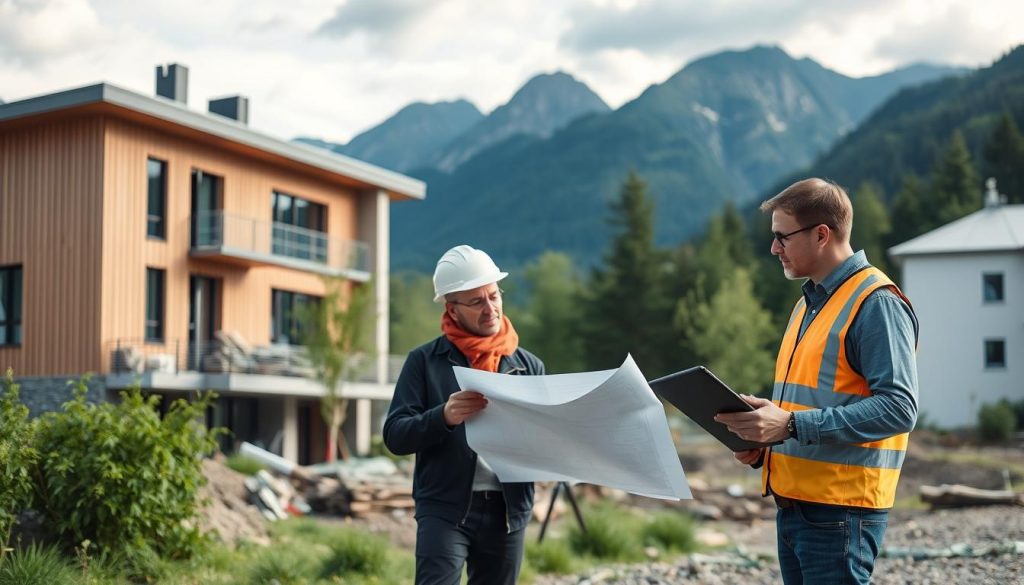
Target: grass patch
<point>287,565</point>
<point>612,534</point>
<point>670,531</point>
<point>551,556</point>
<point>355,552</point>
<point>36,565</point>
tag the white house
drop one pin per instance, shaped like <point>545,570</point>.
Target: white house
<point>966,281</point>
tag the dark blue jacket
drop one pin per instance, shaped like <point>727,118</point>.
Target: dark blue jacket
<point>443,481</point>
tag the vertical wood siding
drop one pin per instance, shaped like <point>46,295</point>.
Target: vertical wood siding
<point>73,214</point>
<point>244,303</point>
<point>50,223</point>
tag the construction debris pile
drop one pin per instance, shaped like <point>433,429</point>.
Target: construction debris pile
<point>225,507</point>
<point>236,506</point>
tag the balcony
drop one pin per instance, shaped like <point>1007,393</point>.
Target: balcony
<point>228,365</point>
<point>253,242</point>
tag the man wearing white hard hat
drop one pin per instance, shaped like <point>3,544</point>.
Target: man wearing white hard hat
<point>464,514</point>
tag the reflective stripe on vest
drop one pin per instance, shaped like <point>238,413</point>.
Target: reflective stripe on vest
<point>815,374</point>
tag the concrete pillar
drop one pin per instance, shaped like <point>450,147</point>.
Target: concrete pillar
<point>290,428</point>
<point>363,425</point>
<point>374,229</point>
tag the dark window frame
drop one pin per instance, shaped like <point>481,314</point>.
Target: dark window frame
<point>284,324</point>
<point>156,304</point>
<point>1000,288</point>
<point>996,342</point>
<point>156,219</point>
<point>294,211</point>
<point>13,297</point>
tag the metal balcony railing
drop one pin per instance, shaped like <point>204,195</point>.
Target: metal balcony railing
<point>226,355</point>
<point>263,241</point>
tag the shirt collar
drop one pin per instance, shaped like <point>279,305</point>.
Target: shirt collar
<point>838,276</point>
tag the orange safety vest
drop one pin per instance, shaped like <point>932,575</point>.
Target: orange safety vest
<point>813,372</point>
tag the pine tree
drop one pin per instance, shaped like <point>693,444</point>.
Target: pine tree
<point>415,318</point>
<point>956,190</point>
<point>626,309</point>
<point>871,224</point>
<point>908,220</point>
<point>724,249</point>
<point>549,325</point>
<point>1004,158</point>
<point>732,333</point>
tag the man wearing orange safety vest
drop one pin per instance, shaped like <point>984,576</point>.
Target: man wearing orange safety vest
<point>845,394</point>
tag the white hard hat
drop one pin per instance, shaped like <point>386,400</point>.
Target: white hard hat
<point>464,268</point>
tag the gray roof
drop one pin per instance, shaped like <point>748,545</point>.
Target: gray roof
<point>998,228</point>
<point>226,128</point>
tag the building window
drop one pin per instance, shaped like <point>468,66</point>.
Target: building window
<point>207,219</point>
<point>299,227</point>
<point>286,315</point>
<point>155,304</point>
<point>10,305</point>
<point>992,287</point>
<point>156,208</point>
<point>995,353</point>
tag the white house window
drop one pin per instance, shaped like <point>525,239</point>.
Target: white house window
<point>995,353</point>
<point>992,287</point>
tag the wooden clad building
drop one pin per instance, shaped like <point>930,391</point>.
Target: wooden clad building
<point>145,241</point>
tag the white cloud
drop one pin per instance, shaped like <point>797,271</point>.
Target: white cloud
<point>332,68</point>
<point>32,31</point>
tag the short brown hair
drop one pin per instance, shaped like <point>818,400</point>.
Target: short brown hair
<point>815,202</point>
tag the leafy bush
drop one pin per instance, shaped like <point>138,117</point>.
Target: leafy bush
<point>244,465</point>
<point>670,531</point>
<point>550,556</point>
<point>36,565</point>
<point>996,422</point>
<point>285,565</point>
<point>18,458</point>
<point>355,552</point>
<point>612,534</point>
<point>119,476</point>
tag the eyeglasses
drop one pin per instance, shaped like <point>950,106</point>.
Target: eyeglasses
<point>478,303</point>
<point>781,238</point>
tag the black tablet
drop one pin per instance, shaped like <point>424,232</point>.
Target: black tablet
<point>700,395</point>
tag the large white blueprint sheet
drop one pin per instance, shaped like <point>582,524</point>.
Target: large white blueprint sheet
<point>604,428</point>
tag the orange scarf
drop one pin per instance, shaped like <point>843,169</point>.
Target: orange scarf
<point>483,353</point>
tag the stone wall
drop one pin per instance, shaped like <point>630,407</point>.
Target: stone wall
<point>46,394</point>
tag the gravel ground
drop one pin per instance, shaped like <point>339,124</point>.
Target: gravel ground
<point>978,527</point>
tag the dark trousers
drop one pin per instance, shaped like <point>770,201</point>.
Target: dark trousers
<point>481,541</point>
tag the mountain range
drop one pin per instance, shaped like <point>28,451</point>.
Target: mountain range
<point>538,173</point>
<point>908,133</point>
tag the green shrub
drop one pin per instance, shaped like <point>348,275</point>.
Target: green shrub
<point>670,531</point>
<point>119,476</point>
<point>612,534</point>
<point>1018,411</point>
<point>550,556</point>
<point>355,552</point>
<point>996,422</point>
<point>244,465</point>
<point>18,458</point>
<point>36,565</point>
<point>286,565</point>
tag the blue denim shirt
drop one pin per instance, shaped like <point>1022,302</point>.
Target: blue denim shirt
<point>880,345</point>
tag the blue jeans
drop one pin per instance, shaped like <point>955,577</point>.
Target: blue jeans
<point>481,542</point>
<point>828,544</point>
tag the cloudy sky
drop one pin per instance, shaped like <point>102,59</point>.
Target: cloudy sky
<point>332,68</point>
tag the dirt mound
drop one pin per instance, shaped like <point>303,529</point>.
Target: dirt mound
<point>226,510</point>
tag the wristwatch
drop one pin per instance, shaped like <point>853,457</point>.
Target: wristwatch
<point>791,425</point>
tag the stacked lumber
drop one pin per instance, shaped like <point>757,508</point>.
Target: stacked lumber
<point>370,497</point>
